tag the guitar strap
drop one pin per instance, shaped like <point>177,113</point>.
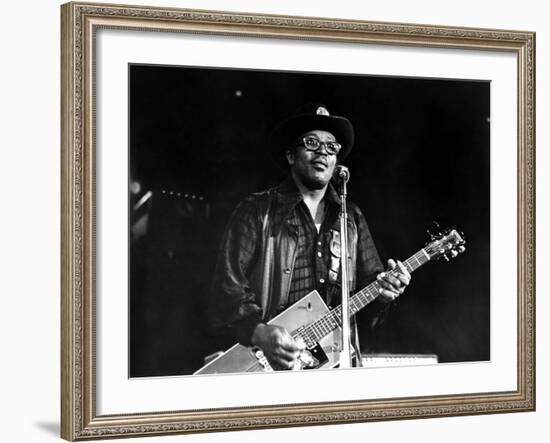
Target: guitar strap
<point>266,265</point>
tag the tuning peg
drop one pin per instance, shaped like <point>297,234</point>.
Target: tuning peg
<point>433,230</point>
<point>461,249</point>
<point>454,253</point>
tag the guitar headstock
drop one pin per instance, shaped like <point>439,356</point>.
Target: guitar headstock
<point>444,244</point>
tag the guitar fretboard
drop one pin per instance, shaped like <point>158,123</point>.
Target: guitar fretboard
<point>313,332</point>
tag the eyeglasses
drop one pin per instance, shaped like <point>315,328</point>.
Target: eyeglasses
<point>313,144</point>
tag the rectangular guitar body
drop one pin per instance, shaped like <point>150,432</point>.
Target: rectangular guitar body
<point>240,358</point>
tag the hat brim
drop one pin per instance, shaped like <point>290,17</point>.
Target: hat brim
<point>286,134</point>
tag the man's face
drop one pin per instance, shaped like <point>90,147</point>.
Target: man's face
<point>313,169</point>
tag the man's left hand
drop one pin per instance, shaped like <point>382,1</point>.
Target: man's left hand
<point>393,281</point>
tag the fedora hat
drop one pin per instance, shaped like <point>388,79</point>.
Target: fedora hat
<point>308,118</point>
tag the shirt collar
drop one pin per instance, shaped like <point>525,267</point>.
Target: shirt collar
<point>288,196</point>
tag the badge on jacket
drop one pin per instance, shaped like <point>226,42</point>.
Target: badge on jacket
<point>334,246</point>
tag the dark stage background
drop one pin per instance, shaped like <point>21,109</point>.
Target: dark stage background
<point>198,143</point>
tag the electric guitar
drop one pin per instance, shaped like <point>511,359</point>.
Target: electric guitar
<point>313,324</point>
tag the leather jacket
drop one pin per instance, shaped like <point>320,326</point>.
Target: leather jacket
<point>256,261</point>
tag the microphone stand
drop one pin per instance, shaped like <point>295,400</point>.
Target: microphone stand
<point>345,353</point>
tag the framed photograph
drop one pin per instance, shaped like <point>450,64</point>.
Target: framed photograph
<point>209,163</point>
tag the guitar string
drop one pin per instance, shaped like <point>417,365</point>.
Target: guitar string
<point>320,328</point>
<point>312,333</point>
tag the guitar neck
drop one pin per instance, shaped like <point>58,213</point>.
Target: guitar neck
<point>315,331</point>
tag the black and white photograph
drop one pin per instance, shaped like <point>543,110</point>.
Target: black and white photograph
<point>242,185</point>
<point>289,220</point>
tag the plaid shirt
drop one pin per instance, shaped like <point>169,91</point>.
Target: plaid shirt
<point>234,305</point>
<point>310,271</point>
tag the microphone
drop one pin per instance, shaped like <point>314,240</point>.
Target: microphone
<point>341,174</point>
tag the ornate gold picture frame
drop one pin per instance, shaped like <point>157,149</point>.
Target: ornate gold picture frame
<point>81,22</point>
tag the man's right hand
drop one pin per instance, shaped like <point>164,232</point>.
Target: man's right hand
<point>278,346</point>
